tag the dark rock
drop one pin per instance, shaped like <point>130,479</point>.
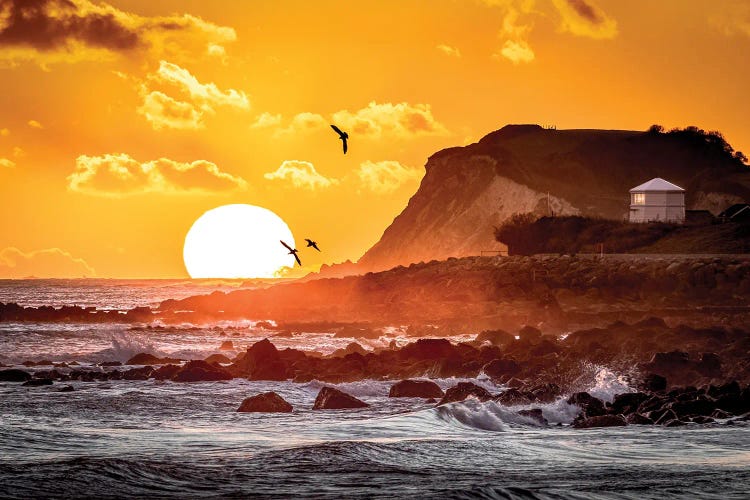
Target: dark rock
<point>36,382</point>
<point>267,402</point>
<point>663,416</point>
<point>501,368</point>
<point>695,407</point>
<point>142,373</point>
<point>14,375</point>
<point>200,371</point>
<point>628,402</point>
<point>654,383</point>
<point>227,345</point>
<point>262,362</point>
<point>428,349</point>
<point>529,332</point>
<point>165,372</point>
<point>66,388</point>
<point>112,363</point>
<point>700,419</point>
<point>720,414</point>
<point>600,421</point>
<point>709,365</point>
<point>330,398</point>
<point>218,358</point>
<point>495,337</point>
<point>546,393</point>
<point>675,422</point>
<point>638,419</point>
<point>534,414</point>
<point>430,401</point>
<point>512,397</point>
<point>464,390</point>
<point>416,389</point>
<point>591,406</point>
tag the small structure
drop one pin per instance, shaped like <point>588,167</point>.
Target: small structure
<point>736,213</point>
<point>657,201</point>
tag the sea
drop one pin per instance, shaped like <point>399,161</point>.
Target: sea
<point>157,439</point>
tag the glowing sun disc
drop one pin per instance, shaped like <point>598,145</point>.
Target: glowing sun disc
<point>237,241</point>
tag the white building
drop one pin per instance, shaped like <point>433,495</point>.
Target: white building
<point>657,201</point>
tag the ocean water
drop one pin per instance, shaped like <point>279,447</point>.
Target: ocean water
<point>165,439</point>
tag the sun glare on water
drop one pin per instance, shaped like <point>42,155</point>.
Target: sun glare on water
<point>237,241</point>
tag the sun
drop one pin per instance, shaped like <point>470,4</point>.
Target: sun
<point>237,241</point>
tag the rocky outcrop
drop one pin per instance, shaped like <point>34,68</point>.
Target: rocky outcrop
<point>200,371</point>
<point>261,362</point>
<point>330,398</point>
<point>464,390</point>
<point>267,402</point>
<point>14,375</point>
<point>467,191</point>
<point>600,421</point>
<point>415,389</point>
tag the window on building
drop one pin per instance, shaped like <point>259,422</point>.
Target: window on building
<point>639,198</point>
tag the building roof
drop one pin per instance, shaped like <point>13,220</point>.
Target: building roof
<point>656,184</point>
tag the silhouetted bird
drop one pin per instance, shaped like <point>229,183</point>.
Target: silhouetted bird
<point>342,135</point>
<point>311,243</point>
<point>292,251</point>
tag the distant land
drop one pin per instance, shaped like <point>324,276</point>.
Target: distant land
<point>468,191</point>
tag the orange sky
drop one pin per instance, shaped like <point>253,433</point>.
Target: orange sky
<point>122,122</point>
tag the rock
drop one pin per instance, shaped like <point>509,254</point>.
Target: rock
<point>495,337</point>
<point>66,388</point>
<point>464,390</point>
<point>267,402</point>
<point>262,362</point>
<point>709,365</point>
<point>200,371</point>
<point>416,389</point>
<point>529,332</point>
<point>720,414</point>
<point>227,345</point>
<point>166,372</point>
<point>591,406</point>
<point>638,419</point>
<point>143,358</point>
<point>330,398</point>
<point>654,383</point>
<point>501,368</point>
<point>513,397</point>
<point>702,420</point>
<point>142,373</point>
<point>696,407</point>
<point>430,401</point>
<point>600,421</point>
<point>534,414</point>
<point>352,347</point>
<point>545,393</point>
<point>666,416</point>
<point>675,422</point>
<point>628,402</point>
<point>14,375</point>
<point>218,358</point>
<point>428,349</point>
<point>36,382</point>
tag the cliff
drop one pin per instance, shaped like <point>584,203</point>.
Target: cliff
<point>467,191</point>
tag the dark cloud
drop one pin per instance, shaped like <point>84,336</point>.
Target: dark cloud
<point>51,24</point>
<point>586,11</point>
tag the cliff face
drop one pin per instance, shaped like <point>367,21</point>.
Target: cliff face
<point>466,191</point>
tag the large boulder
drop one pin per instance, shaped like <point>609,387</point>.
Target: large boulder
<point>628,402</point>
<point>14,375</point>
<point>36,382</point>
<point>495,337</point>
<point>591,406</point>
<point>330,398</point>
<point>428,349</point>
<point>600,421</point>
<point>262,362</point>
<point>267,402</point>
<point>654,383</point>
<point>416,389</point>
<point>465,390</point>
<point>218,358</point>
<point>200,371</point>
<point>513,397</point>
<point>498,368</point>
<point>534,414</point>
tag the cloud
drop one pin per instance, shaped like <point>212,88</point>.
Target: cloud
<point>385,176</point>
<point>585,18</point>
<point>196,99</point>
<point>4,132</point>
<point>18,152</point>
<point>732,18</point>
<point>516,52</point>
<point>117,175</point>
<point>402,120</point>
<point>266,120</point>
<point>301,174</point>
<point>6,163</point>
<point>206,95</point>
<point>57,31</point>
<point>448,50</point>
<point>302,123</point>
<point>46,263</point>
<point>35,124</point>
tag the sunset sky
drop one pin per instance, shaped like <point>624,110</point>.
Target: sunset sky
<point>122,122</point>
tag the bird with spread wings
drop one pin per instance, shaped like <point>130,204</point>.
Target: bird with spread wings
<point>342,135</point>
<point>311,243</point>
<point>292,251</point>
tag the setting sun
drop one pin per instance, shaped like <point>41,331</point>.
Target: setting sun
<point>237,241</point>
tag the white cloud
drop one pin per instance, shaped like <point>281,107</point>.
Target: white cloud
<point>265,120</point>
<point>301,174</point>
<point>448,50</point>
<point>45,263</point>
<point>118,175</point>
<point>399,120</point>
<point>6,163</point>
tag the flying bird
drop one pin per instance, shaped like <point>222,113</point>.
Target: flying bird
<point>311,243</point>
<point>292,251</point>
<point>342,135</point>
